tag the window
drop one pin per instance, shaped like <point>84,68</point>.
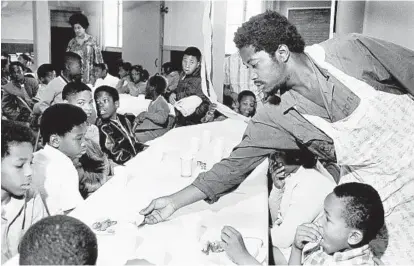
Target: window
<point>112,24</point>
<point>239,12</point>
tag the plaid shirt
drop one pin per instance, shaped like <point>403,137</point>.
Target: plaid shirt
<point>356,256</point>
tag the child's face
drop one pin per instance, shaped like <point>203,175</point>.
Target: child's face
<point>106,105</point>
<point>122,72</point>
<point>247,106</point>
<point>48,78</point>
<point>190,63</point>
<point>16,170</point>
<point>135,76</point>
<point>335,230</point>
<point>83,100</point>
<point>17,73</point>
<point>98,72</point>
<point>72,144</point>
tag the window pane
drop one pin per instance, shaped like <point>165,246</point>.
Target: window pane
<point>254,7</point>
<point>111,23</point>
<point>234,12</point>
<point>120,24</point>
<point>230,46</point>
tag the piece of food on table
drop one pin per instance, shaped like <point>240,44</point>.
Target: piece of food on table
<point>104,226</point>
<point>215,247</point>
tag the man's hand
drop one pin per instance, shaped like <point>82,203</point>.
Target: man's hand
<point>306,233</point>
<point>158,210</point>
<point>235,248</point>
<point>173,98</point>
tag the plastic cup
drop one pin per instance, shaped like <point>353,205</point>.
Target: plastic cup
<point>186,165</point>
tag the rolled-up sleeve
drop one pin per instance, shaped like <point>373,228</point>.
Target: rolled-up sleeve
<point>259,140</point>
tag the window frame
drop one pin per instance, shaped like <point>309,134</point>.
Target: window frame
<point>119,28</point>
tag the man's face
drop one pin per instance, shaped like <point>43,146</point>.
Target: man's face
<point>75,70</point>
<point>269,75</point>
<point>72,144</point>
<point>99,73</point>
<point>190,64</point>
<point>335,232</point>
<point>83,100</point>
<point>106,105</point>
<point>17,73</point>
<point>16,169</point>
<point>247,106</point>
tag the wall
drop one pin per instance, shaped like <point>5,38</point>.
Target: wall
<point>17,25</point>
<point>141,34</point>
<point>94,11</point>
<point>182,25</point>
<point>350,17</point>
<point>392,21</point>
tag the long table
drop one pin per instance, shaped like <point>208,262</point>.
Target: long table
<point>156,172</point>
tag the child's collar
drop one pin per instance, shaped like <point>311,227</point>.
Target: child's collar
<point>5,197</point>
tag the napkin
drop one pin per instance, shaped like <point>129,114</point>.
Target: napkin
<point>188,105</point>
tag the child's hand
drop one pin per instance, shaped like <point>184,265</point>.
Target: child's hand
<point>306,233</point>
<point>173,98</point>
<point>234,245</point>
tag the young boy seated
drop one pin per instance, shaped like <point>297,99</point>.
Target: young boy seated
<point>63,128</point>
<point>93,167</point>
<point>353,216</point>
<point>245,105</point>
<point>171,75</point>
<point>156,121</point>
<point>45,74</point>
<point>102,77</point>
<point>124,70</point>
<point>59,240</point>
<point>297,194</point>
<point>116,136</point>
<point>17,101</point>
<point>20,206</point>
<point>190,85</point>
<point>79,94</point>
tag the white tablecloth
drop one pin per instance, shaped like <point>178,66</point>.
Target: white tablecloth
<point>156,172</point>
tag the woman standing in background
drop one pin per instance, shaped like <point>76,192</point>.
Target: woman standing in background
<point>85,45</point>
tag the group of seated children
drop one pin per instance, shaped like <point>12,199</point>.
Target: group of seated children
<point>133,79</point>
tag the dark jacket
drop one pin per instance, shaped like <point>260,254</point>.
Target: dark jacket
<point>120,146</point>
<point>188,86</point>
<point>17,102</point>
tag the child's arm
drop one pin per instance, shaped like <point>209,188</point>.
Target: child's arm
<point>235,248</point>
<point>295,256</point>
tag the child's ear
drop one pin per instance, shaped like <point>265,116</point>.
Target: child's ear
<point>117,104</point>
<point>54,141</point>
<point>355,237</point>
